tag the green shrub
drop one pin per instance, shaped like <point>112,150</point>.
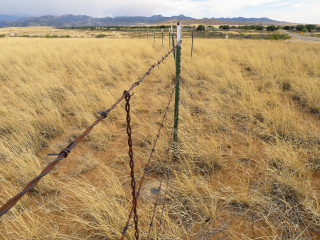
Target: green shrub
<point>225,27</point>
<point>2,36</point>
<point>272,28</point>
<point>299,27</point>
<point>259,28</point>
<point>101,35</point>
<point>244,27</point>
<point>278,36</point>
<point>287,28</point>
<point>201,28</point>
<point>310,27</point>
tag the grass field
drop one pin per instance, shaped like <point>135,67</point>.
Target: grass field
<point>249,151</point>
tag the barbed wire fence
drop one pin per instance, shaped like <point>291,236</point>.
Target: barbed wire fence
<point>135,191</point>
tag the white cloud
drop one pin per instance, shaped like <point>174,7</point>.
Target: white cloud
<point>95,8</point>
<point>298,5</point>
<point>287,10</point>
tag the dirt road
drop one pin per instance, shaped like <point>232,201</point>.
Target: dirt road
<point>301,37</point>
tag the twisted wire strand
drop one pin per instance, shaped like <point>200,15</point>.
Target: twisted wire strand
<point>133,181</point>
<point>64,153</point>
<point>161,179</point>
<point>167,187</point>
<point>149,160</point>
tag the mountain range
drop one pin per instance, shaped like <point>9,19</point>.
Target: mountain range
<point>83,20</point>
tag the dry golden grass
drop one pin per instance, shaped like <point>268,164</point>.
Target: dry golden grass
<point>249,156</point>
<point>74,33</point>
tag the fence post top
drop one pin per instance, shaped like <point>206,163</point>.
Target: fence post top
<point>179,33</point>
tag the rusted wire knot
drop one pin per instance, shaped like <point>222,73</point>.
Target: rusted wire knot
<point>127,95</point>
<point>126,228</point>
<point>66,152</point>
<point>105,113</point>
<point>135,84</point>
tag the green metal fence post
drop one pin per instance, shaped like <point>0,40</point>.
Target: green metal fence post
<point>176,104</point>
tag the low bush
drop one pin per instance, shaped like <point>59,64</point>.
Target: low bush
<point>101,35</point>
<point>278,36</point>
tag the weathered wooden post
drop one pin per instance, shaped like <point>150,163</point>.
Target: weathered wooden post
<point>176,104</point>
<point>154,35</point>
<point>147,34</point>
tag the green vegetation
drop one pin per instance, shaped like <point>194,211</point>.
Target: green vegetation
<point>259,28</point>
<point>101,35</point>
<point>310,27</point>
<point>2,36</point>
<point>272,28</point>
<point>51,36</point>
<point>278,36</point>
<point>299,27</point>
<point>201,28</point>
<point>224,27</point>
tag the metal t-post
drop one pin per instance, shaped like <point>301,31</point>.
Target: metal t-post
<point>176,105</point>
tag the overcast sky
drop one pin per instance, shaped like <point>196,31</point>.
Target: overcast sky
<point>299,11</point>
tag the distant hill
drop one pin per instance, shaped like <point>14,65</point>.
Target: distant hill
<point>243,19</point>
<point>83,20</point>
<point>9,18</point>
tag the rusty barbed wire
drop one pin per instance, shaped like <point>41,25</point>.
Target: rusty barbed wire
<point>133,181</point>
<point>64,153</point>
<point>146,169</point>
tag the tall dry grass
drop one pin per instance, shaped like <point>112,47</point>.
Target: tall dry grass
<point>248,163</point>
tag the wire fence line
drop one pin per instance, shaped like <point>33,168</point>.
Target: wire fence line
<point>133,181</point>
<point>146,169</point>
<point>64,153</point>
<point>164,171</point>
<point>165,163</point>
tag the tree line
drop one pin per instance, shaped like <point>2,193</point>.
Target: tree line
<point>303,28</point>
